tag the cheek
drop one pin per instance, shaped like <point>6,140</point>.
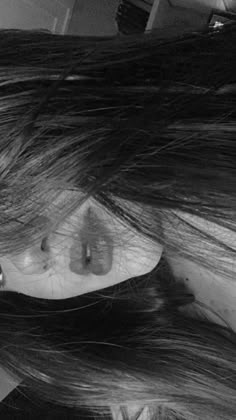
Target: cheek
<point>60,283</point>
<point>138,260</point>
<point>128,262</point>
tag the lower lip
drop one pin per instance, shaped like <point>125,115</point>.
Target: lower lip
<point>100,247</point>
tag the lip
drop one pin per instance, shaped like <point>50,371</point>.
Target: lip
<point>94,235</point>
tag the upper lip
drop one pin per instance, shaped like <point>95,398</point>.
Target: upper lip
<point>94,228</point>
<point>94,234</point>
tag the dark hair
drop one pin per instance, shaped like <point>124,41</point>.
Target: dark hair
<point>146,126</point>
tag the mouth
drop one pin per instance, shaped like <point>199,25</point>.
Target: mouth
<point>94,253</point>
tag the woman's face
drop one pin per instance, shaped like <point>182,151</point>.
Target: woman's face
<point>56,271</point>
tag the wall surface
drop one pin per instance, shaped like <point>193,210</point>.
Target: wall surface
<point>53,15</point>
<point>94,17</point>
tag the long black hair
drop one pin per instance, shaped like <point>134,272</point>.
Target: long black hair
<point>146,126</point>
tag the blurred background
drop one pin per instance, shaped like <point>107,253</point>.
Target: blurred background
<point>108,17</point>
